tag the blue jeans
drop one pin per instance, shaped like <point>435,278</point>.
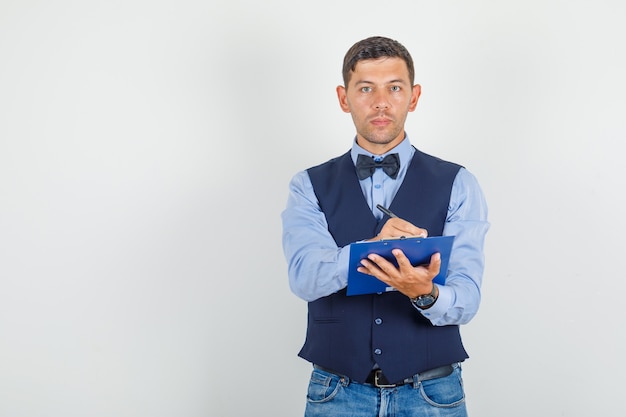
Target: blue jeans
<point>337,396</point>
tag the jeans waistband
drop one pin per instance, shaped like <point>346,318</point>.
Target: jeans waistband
<point>378,379</point>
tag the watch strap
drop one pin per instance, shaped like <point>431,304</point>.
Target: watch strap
<point>428,298</point>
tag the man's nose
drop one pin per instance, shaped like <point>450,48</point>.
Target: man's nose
<point>381,102</point>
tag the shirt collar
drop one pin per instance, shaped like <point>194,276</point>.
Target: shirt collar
<point>403,149</point>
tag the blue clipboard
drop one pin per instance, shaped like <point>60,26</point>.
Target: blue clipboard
<point>417,249</point>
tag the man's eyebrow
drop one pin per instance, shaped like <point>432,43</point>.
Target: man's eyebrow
<point>395,81</point>
<point>398,81</point>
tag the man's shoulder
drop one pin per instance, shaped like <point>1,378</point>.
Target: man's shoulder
<point>331,162</point>
<point>436,161</point>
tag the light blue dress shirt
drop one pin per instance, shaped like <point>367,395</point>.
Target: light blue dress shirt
<point>317,267</point>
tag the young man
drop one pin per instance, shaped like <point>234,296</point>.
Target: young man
<point>397,353</point>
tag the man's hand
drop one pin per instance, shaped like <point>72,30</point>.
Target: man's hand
<point>396,227</point>
<point>409,280</point>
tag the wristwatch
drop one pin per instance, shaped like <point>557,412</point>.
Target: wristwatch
<point>427,300</point>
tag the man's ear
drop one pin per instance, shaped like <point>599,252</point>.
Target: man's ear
<point>343,98</point>
<point>415,95</point>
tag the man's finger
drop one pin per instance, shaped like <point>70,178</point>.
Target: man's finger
<point>435,263</point>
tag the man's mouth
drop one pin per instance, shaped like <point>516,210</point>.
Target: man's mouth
<point>380,121</point>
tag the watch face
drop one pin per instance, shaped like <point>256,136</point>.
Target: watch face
<point>424,300</point>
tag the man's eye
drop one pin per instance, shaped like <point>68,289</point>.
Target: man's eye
<point>366,89</point>
<point>395,88</point>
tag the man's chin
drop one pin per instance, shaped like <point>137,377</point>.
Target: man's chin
<point>380,139</point>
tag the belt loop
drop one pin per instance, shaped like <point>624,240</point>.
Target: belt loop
<point>416,381</point>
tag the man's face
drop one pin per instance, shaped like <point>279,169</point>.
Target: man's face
<point>379,97</point>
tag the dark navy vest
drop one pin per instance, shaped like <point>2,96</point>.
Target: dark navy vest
<point>350,334</point>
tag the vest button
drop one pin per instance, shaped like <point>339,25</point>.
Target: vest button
<point>378,321</point>
<point>378,351</point>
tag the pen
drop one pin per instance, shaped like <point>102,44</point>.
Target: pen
<point>385,210</point>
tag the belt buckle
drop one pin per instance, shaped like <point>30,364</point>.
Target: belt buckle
<point>377,374</point>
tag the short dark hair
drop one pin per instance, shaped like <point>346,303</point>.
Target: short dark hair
<point>374,48</point>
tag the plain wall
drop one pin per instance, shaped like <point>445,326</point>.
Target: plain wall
<point>145,153</point>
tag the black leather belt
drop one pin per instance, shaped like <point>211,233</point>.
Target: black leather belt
<point>378,379</point>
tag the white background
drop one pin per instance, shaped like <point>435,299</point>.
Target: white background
<point>145,153</point>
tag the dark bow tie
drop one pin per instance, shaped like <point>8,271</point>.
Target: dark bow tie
<point>365,165</point>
